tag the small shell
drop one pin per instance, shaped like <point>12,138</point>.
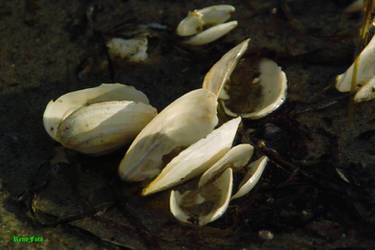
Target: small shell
<point>204,205</point>
<point>103,127</point>
<point>211,34</point>
<point>196,159</point>
<point>366,92</point>
<point>196,19</point>
<point>365,69</point>
<point>183,122</point>
<point>134,50</point>
<point>252,177</point>
<point>57,111</point>
<point>236,158</point>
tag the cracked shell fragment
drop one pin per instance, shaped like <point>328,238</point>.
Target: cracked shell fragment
<point>195,159</point>
<point>365,69</point>
<point>182,123</point>
<point>133,50</point>
<point>236,158</point>
<point>203,205</point>
<point>103,127</point>
<point>56,111</point>
<point>196,19</point>
<point>255,171</point>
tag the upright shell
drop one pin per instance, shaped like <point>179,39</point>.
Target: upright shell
<point>183,122</point>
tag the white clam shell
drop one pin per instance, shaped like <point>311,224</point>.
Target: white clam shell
<point>273,83</point>
<point>204,205</point>
<point>252,177</point>
<point>57,111</point>
<point>211,34</point>
<point>196,19</point>
<point>134,50</point>
<point>236,158</point>
<point>365,69</point>
<point>366,92</point>
<point>195,159</point>
<point>183,122</point>
<point>103,127</point>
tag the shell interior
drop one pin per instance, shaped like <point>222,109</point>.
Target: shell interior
<point>203,205</point>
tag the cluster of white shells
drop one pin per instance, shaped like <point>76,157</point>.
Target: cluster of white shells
<point>105,118</point>
<point>101,119</point>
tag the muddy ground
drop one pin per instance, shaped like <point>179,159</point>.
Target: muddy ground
<point>48,48</point>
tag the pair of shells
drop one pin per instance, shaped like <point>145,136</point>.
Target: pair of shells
<point>98,120</point>
<point>214,16</point>
<point>363,78</point>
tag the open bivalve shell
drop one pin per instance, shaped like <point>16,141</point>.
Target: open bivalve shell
<point>214,16</point>
<point>365,69</point>
<point>196,159</point>
<point>98,120</point>
<point>182,123</point>
<point>255,99</point>
<point>203,205</point>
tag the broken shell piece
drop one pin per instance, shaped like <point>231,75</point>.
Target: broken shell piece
<point>182,123</point>
<point>365,69</point>
<point>236,158</point>
<point>194,22</point>
<point>204,205</point>
<point>103,127</point>
<point>195,159</point>
<point>211,34</point>
<point>133,50</point>
<point>252,177</point>
<point>220,73</point>
<point>57,111</point>
<point>366,92</point>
